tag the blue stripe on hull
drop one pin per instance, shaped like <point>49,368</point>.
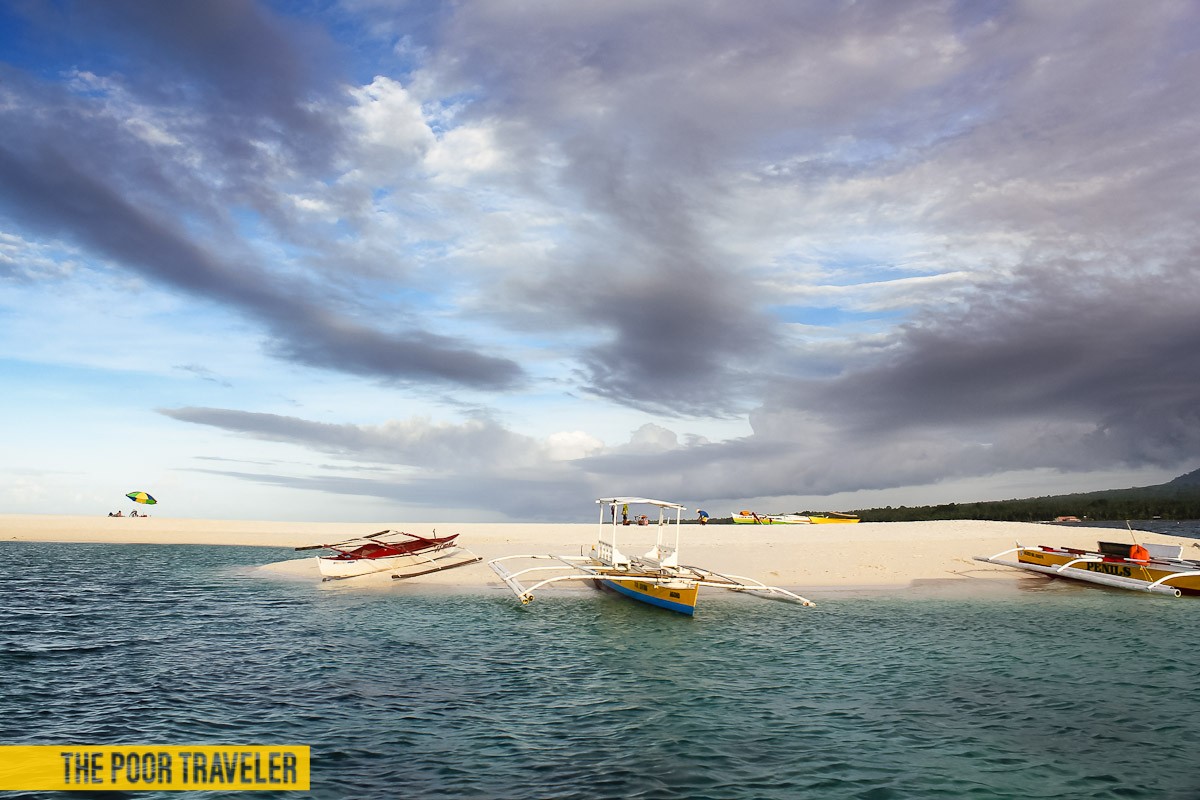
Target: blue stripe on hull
<point>680,608</point>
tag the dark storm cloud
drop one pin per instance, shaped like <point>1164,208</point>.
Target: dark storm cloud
<point>1066,376</point>
<point>1050,151</point>
<point>49,192</point>
<point>71,168</point>
<point>1124,362</point>
<point>474,445</point>
<point>540,500</point>
<point>474,465</point>
<point>623,95</point>
<point>248,72</point>
<point>674,342</point>
<point>657,114</point>
<point>477,465</point>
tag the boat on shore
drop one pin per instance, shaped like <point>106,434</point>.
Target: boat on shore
<point>832,517</point>
<point>751,518</point>
<point>407,555</point>
<point>655,578</point>
<point>790,519</point>
<point>1155,568</point>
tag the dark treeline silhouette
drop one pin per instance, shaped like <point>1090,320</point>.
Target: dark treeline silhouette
<point>1178,499</point>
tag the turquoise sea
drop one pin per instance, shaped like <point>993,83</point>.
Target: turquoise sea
<point>1052,690</point>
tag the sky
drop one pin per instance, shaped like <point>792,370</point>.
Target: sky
<point>356,260</point>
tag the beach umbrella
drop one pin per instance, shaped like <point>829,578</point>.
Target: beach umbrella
<point>141,497</point>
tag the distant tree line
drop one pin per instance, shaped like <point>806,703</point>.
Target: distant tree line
<point>1169,501</point>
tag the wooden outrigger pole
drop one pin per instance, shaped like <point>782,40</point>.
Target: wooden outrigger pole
<point>656,578</point>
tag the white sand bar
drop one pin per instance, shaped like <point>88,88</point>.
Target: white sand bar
<point>865,555</point>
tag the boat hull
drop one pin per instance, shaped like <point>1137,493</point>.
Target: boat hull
<point>336,568</point>
<point>1146,572</point>
<point>832,520</point>
<point>675,596</point>
<point>777,519</point>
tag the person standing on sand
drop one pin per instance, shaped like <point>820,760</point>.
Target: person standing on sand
<point>703,516</point>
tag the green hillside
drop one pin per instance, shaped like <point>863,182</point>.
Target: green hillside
<point>1176,499</point>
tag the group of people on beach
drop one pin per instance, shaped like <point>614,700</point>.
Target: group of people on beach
<point>133,513</point>
<point>644,520</point>
<point>640,520</point>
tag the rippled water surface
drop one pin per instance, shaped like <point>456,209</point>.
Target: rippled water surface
<point>1057,690</point>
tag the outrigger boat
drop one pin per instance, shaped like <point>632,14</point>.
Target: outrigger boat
<point>751,518</point>
<point>656,578</point>
<point>1156,568</point>
<point>832,517</point>
<point>406,553</point>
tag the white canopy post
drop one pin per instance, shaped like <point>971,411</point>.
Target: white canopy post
<point>607,551</point>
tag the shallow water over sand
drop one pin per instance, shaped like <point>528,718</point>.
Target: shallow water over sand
<point>1037,689</point>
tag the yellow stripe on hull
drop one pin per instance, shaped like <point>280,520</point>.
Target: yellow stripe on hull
<point>1121,569</point>
<point>826,520</point>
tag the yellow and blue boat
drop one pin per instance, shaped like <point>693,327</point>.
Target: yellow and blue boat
<point>655,578</point>
<point>673,595</point>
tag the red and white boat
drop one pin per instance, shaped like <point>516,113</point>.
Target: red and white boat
<point>407,554</point>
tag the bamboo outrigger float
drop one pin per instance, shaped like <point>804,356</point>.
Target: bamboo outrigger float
<point>1154,568</point>
<point>656,578</point>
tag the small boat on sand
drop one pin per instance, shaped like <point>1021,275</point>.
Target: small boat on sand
<point>751,518</point>
<point>789,519</point>
<point>832,517</point>
<point>406,554</point>
<point>655,578</point>
<point>1153,568</point>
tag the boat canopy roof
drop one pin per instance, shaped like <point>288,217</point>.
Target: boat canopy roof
<point>644,500</point>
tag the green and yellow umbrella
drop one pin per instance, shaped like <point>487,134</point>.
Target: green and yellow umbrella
<point>141,497</point>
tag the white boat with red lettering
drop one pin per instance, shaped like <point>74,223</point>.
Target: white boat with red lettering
<point>407,555</point>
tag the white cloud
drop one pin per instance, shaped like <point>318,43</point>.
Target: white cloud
<point>570,445</point>
<point>392,133</point>
<point>463,152</point>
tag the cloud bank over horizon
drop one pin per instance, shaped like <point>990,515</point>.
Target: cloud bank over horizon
<point>497,259</point>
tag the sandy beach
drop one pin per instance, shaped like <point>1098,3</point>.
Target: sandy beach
<point>882,556</point>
